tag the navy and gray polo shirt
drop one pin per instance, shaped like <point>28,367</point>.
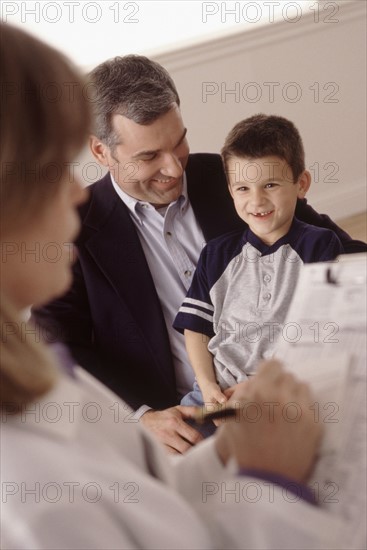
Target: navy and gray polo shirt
<point>242,290</point>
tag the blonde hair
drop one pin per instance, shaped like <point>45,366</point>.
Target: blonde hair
<point>26,366</point>
<point>44,123</point>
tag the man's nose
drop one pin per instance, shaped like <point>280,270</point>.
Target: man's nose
<point>171,166</point>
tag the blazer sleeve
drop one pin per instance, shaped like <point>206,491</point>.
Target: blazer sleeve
<point>306,213</point>
<point>69,320</point>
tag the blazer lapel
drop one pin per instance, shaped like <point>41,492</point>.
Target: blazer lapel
<point>116,249</point>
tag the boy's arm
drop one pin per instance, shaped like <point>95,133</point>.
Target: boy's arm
<point>202,362</point>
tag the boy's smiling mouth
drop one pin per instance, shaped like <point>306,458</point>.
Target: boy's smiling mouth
<point>262,214</point>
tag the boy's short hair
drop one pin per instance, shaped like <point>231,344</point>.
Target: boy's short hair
<point>263,136</point>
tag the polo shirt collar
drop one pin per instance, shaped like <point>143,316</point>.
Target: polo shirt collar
<point>265,249</point>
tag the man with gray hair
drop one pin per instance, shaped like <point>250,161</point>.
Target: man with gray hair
<point>143,228</point>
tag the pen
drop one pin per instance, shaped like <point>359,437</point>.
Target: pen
<point>220,412</point>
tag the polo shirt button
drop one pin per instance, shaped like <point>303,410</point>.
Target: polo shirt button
<point>267,296</point>
<point>187,273</point>
<point>169,234</point>
<point>267,278</point>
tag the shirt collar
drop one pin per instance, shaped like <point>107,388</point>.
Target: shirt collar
<point>136,206</point>
<point>265,249</point>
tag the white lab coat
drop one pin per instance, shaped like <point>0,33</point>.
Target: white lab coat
<point>78,474</point>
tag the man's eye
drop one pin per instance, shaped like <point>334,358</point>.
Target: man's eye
<point>146,157</point>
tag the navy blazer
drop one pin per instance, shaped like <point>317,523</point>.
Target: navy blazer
<point>111,318</point>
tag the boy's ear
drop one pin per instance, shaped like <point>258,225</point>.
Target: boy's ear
<point>99,150</point>
<point>304,184</point>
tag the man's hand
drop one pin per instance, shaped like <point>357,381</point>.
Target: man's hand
<point>170,428</point>
<point>274,430</point>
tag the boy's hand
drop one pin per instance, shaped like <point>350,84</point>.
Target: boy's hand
<point>212,393</point>
<point>228,392</point>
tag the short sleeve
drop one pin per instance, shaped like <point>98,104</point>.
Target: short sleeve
<point>196,311</point>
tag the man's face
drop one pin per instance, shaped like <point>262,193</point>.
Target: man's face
<point>149,160</point>
<point>264,194</point>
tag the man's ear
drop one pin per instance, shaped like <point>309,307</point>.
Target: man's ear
<point>304,184</point>
<point>99,150</point>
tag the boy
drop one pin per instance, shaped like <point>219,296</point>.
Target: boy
<point>244,281</point>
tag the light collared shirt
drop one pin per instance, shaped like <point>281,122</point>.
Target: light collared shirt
<point>172,240</point>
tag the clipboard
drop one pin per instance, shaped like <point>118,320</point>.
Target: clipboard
<point>324,343</point>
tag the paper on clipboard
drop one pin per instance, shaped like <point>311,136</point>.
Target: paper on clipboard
<point>328,379</point>
<point>324,343</point>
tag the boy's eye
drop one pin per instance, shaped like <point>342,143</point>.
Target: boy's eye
<point>242,188</point>
<point>270,185</point>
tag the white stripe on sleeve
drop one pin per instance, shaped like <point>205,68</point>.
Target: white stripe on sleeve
<point>199,303</point>
<point>196,312</point>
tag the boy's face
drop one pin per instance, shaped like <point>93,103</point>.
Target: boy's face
<point>264,194</point>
